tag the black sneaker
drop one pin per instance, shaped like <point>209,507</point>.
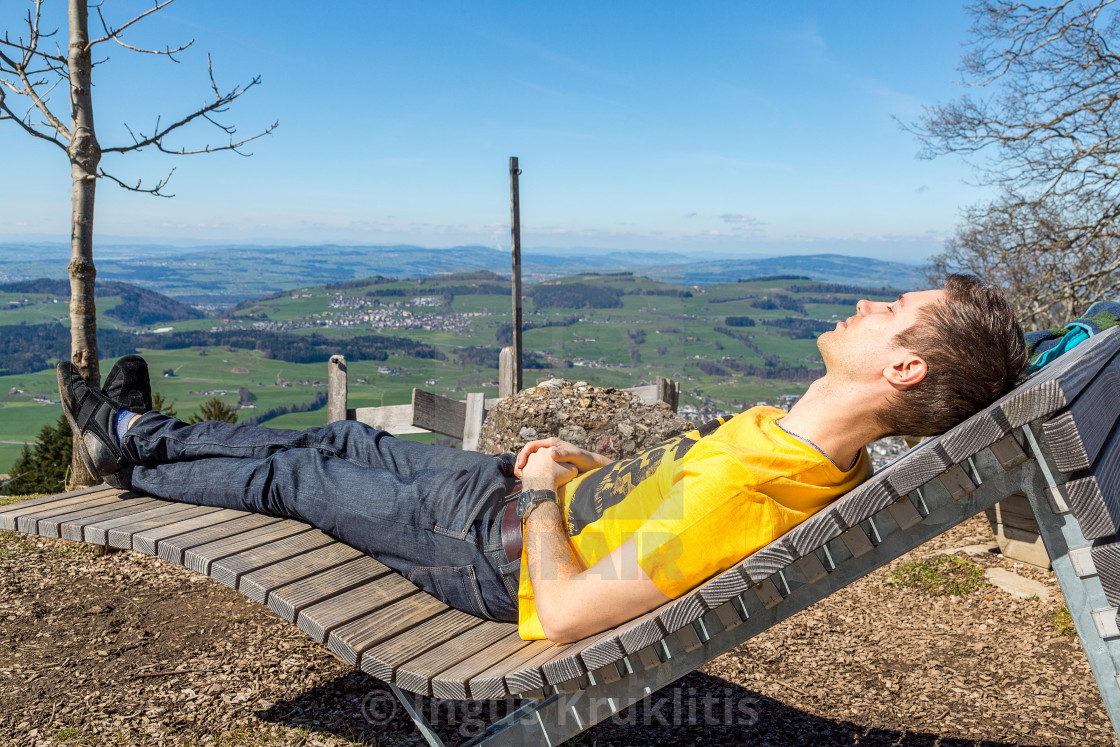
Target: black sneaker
<point>128,385</point>
<point>91,414</point>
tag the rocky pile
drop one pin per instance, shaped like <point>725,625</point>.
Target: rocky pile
<point>608,421</point>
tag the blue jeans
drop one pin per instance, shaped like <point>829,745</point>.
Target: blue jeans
<point>430,513</point>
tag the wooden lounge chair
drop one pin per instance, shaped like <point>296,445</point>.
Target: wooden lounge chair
<point>1053,440</point>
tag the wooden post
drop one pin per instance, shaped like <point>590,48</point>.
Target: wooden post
<point>668,391</point>
<point>515,236</point>
<point>473,420</point>
<point>506,373</point>
<point>336,389</point>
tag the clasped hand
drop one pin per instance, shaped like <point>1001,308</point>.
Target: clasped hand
<point>551,458</point>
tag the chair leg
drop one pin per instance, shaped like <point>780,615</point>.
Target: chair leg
<point>422,724</point>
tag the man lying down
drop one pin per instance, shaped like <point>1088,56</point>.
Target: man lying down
<point>556,538</point>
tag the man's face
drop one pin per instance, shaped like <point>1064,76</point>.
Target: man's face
<point>861,346</point>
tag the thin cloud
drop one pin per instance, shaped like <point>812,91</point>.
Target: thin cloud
<point>742,222</point>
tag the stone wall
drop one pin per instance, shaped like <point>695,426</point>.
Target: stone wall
<point>608,421</point>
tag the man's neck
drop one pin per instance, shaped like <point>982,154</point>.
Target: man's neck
<point>839,420</point>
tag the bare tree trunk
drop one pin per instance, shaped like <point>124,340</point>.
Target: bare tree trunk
<point>85,154</point>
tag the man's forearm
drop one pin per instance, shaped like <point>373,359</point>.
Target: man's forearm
<point>550,557</point>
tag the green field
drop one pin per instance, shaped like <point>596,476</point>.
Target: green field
<point>645,337</point>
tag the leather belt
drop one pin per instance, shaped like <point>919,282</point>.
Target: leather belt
<point>512,539</point>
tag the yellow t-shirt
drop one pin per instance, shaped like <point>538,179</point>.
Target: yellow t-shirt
<point>696,504</point>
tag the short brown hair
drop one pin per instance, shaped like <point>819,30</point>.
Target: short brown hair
<point>974,353</point>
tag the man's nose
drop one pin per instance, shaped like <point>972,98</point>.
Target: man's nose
<point>865,307</point>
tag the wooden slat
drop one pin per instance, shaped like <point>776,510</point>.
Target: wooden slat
<point>1076,436</point>
<point>48,526</point>
<point>686,608</point>
<point>382,659</point>
<point>199,557</point>
<point>566,662</point>
<point>866,500</point>
<point>814,532</point>
<point>416,675</point>
<point>229,569</point>
<point>287,601</point>
<point>148,541</point>
<point>642,632</point>
<point>1094,498</point>
<point>257,584</point>
<point>399,618</point>
<point>451,682</point>
<point>122,536</point>
<point>978,432</point>
<point>9,513</point>
<point>28,522</point>
<point>98,532</point>
<point>438,414</point>
<point>396,419</point>
<point>490,683</point>
<point>70,527</point>
<point>768,561</point>
<point>172,548</point>
<point>920,465</point>
<point>604,650</point>
<point>528,673</point>
<point>1056,385</point>
<point>731,583</point>
<point>1106,560</point>
<point>321,618</point>
<point>1095,502</point>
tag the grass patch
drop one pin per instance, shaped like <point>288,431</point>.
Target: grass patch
<point>940,576</point>
<point>1063,622</point>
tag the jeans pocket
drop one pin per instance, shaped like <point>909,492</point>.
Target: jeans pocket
<point>455,586</point>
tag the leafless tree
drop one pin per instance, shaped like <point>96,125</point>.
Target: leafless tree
<point>1044,128</point>
<point>31,68</point>
<point>1047,263</point>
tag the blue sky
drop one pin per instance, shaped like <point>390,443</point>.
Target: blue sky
<point>701,128</point>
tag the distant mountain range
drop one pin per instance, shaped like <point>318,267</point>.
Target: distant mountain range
<point>223,276</point>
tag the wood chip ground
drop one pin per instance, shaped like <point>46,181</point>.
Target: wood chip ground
<point>125,649</point>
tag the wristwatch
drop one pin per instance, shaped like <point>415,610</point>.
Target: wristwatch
<point>526,499</point>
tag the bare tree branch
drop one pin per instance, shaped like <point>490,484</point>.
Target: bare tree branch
<point>221,100</point>
<point>109,34</point>
<point>155,191</point>
<point>1043,126</point>
<point>28,127</point>
<point>115,36</point>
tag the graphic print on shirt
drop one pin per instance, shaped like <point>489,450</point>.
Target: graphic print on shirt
<point>610,485</point>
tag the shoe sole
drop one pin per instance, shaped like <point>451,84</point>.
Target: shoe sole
<point>83,453</point>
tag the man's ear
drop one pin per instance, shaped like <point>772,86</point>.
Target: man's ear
<point>906,371</point>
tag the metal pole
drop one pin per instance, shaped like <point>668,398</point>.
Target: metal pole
<point>515,236</point>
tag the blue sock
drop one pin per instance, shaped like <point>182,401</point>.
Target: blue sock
<point>120,425</point>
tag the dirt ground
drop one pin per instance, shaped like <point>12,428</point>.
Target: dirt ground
<point>124,649</point>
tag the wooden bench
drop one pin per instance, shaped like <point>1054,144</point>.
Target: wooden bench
<point>1052,441</point>
<point>434,413</point>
